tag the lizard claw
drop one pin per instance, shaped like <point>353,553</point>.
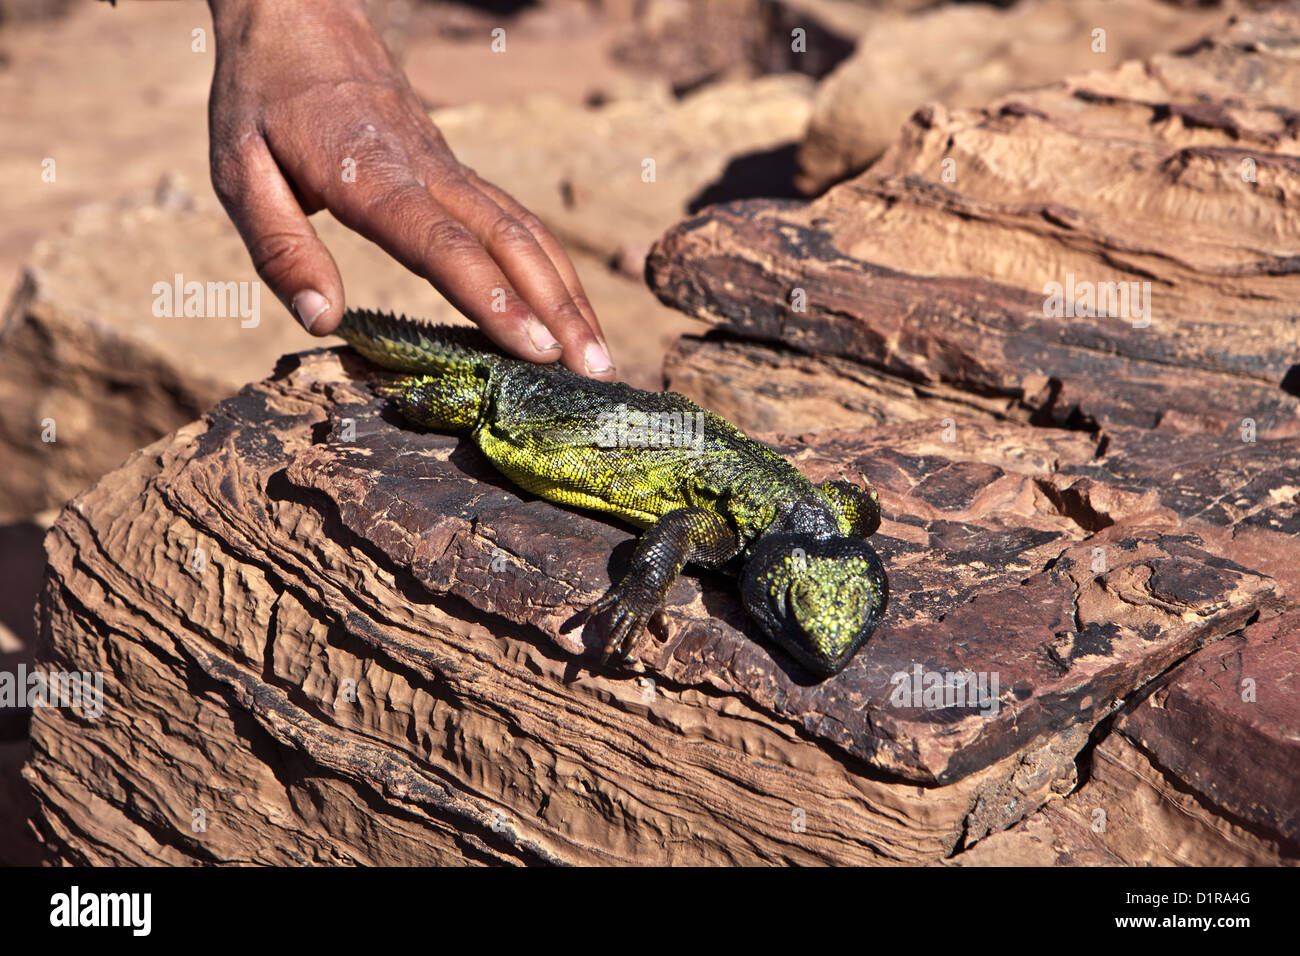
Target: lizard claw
<point>629,618</point>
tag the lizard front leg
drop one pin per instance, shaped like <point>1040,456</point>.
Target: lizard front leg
<point>687,534</point>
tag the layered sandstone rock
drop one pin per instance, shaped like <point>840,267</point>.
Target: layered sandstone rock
<point>298,582</point>
<point>978,259</point>
<point>964,55</point>
<point>1173,172</point>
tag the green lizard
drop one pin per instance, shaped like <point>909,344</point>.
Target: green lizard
<point>704,491</point>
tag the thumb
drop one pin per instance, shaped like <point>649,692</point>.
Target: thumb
<point>286,251</point>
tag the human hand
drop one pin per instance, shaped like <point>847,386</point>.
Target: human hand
<point>303,86</point>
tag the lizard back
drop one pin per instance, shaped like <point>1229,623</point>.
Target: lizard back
<point>603,446</point>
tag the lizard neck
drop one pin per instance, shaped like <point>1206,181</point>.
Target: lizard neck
<point>808,515</point>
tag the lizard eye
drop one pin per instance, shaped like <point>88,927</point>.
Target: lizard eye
<point>819,598</point>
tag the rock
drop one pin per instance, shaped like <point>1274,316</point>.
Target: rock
<point>964,55</point>
<point>1148,818</point>
<point>11,10</point>
<point>341,640</point>
<point>1225,725</point>
<point>691,42</point>
<point>771,388</point>
<point>1200,770</point>
<point>621,174</point>
<point>1046,838</point>
<point>903,325</point>
<point>1130,813</point>
<point>1143,193</point>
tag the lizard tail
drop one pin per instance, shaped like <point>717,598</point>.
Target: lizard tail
<point>409,345</point>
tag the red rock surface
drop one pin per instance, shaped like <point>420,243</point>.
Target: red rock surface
<point>1134,176</point>
<point>402,563</point>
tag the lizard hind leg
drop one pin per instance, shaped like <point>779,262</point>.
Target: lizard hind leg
<point>441,402</point>
<point>858,508</point>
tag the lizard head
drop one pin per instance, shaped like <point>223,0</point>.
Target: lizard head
<point>818,597</point>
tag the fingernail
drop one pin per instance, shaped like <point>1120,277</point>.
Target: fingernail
<point>597,359</point>
<point>541,336</point>
<point>308,306</point>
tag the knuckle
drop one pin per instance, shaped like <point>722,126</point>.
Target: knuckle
<point>506,230</point>
<point>567,313</point>
<point>531,223</point>
<point>386,204</point>
<point>275,254</point>
<point>449,237</point>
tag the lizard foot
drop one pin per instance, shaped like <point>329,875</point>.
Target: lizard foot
<point>630,614</point>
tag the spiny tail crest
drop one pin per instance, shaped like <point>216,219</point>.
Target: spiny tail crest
<point>410,345</point>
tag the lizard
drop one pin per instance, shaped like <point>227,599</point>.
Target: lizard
<point>704,493</point>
